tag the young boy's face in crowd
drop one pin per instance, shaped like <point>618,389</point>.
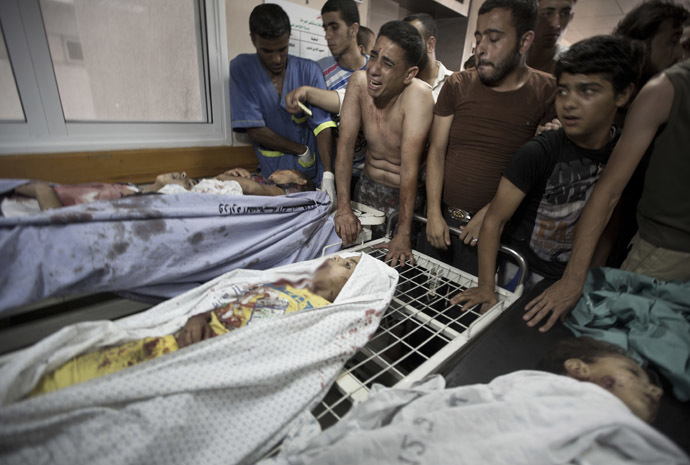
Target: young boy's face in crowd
<point>272,53</point>
<point>332,275</point>
<point>339,36</point>
<point>387,71</point>
<point>622,377</point>
<point>586,104</point>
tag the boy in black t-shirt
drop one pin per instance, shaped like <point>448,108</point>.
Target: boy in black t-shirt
<point>546,184</point>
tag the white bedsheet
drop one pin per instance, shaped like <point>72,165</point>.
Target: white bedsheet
<point>224,400</point>
<point>526,417</point>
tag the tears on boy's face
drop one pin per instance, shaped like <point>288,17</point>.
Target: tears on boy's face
<point>625,379</point>
<point>332,275</point>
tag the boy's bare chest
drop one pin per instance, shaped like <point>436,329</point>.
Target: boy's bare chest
<point>385,122</point>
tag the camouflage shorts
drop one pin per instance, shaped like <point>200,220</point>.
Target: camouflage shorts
<point>383,198</point>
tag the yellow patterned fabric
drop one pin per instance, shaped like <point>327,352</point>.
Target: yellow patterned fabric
<point>256,303</point>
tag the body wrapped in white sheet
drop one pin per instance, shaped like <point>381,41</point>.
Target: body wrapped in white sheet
<point>524,418</point>
<point>224,400</point>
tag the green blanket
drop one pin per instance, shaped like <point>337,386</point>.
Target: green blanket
<point>647,317</point>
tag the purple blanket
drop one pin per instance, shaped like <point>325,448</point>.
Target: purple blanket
<point>156,245</point>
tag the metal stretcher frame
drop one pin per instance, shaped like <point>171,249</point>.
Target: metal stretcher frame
<point>419,332</point>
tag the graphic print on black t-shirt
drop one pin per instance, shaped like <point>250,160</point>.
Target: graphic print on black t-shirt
<point>565,195</point>
<point>557,177</point>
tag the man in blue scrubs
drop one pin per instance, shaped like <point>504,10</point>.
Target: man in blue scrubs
<point>258,82</point>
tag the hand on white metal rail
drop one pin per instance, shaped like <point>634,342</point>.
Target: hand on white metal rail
<point>347,226</point>
<point>475,296</point>
<point>437,232</point>
<point>557,300</point>
<point>328,185</point>
<point>470,232</point>
<point>399,249</point>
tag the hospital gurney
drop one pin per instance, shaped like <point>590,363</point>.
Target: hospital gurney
<point>224,400</point>
<point>420,332</point>
<point>155,246</point>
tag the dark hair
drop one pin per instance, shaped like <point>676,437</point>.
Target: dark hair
<point>364,34</point>
<point>269,21</point>
<point>643,21</point>
<point>347,9</point>
<point>428,24</point>
<point>585,348</point>
<point>523,12</point>
<point>407,37</point>
<point>617,58</point>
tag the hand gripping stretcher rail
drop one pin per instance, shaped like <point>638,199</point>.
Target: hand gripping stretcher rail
<point>420,331</point>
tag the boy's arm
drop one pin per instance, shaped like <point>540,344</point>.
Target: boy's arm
<point>507,199</point>
<point>649,111</point>
<point>324,140</point>
<point>322,98</point>
<point>347,226</point>
<point>437,232</point>
<point>418,113</point>
<point>251,187</point>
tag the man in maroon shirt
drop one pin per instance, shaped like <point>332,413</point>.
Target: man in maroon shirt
<point>481,118</point>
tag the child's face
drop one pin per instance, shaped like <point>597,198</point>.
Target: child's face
<point>285,177</point>
<point>586,105</point>
<point>332,275</point>
<point>626,380</point>
<point>175,178</point>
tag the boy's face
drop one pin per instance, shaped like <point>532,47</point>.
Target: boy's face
<point>553,18</point>
<point>286,177</point>
<point>387,71</point>
<point>339,36</point>
<point>272,53</point>
<point>366,48</point>
<point>175,178</point>
<point>332,275</point>
<point>625,379</point>
<point>498,47</point>
<point>586,104</point>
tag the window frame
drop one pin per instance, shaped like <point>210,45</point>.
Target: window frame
<point>45,128</point>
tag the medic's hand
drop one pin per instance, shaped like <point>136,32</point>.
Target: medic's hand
<point>237,173</point>
<point>294,96</point>
<point>307,158</point>
<point>328,185</point>
<point>398,249</point>
<point>475,296</point>
<point>554,125</point>
<point>196,329</point>
<point>558,300</point>
<point>437,232</point>
<point>347,226</point>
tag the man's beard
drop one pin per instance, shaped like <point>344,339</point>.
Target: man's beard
<point>501,70</point>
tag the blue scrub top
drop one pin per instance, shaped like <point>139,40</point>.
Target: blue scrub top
<point>255,103</point>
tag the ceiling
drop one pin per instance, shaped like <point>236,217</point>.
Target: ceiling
<point>594,17</point>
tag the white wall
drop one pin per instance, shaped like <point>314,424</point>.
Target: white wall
<point>237,13</point>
